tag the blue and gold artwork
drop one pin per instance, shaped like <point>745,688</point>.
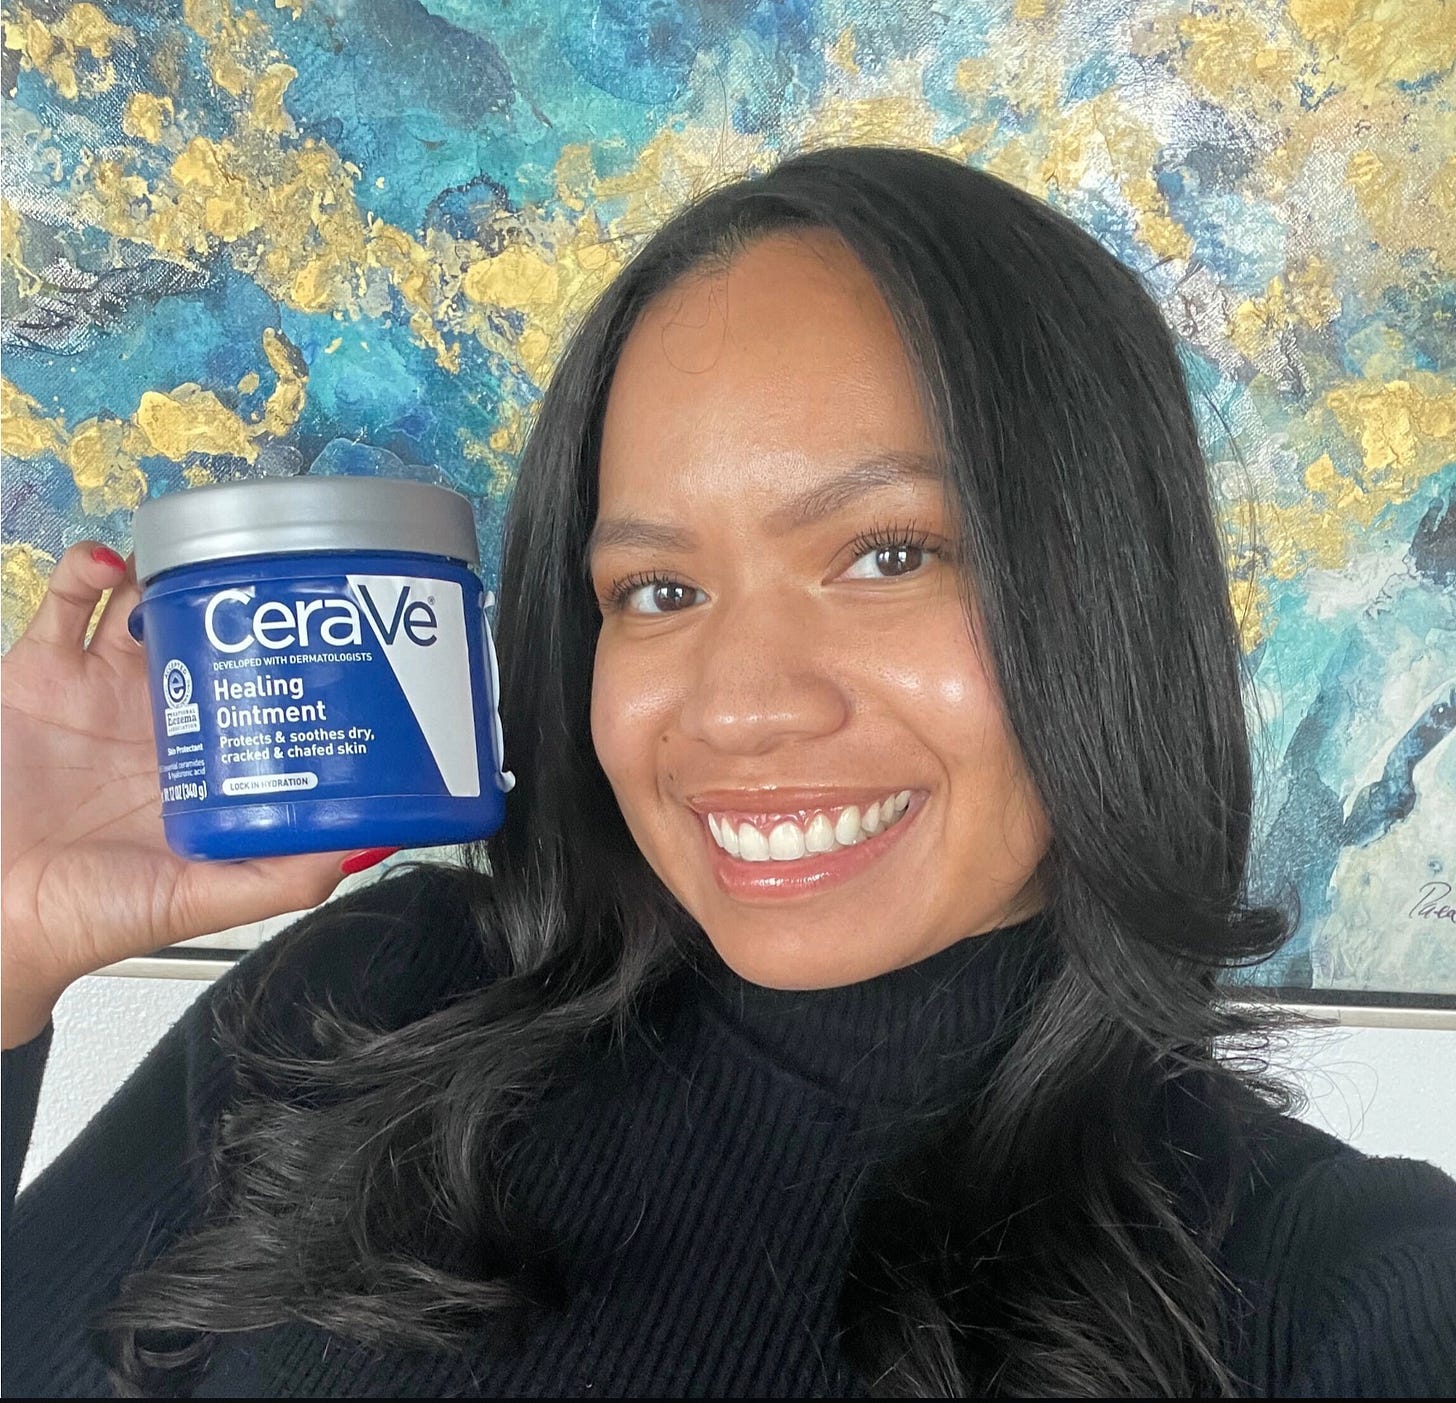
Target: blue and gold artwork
<point>233,234</point>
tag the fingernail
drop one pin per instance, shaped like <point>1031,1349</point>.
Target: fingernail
<point>104,555</point>
<point>366,858</point>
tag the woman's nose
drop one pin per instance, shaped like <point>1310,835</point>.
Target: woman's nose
<point>761,680</point>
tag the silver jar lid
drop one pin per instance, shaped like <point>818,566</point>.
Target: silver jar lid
<point>299,516</point>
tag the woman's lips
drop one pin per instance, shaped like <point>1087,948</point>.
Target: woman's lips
<point>778,880</point>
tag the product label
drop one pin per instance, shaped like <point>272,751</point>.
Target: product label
<point>310,688</point>
<point>181,712</point>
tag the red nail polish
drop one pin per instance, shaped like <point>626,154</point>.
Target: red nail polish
<point>366,858</point>
<point>104,555</point>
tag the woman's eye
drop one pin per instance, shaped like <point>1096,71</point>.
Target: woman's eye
<point>886,562</point>
<point>658,597</point>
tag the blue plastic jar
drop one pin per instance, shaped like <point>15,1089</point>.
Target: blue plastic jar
<point>321,671</point>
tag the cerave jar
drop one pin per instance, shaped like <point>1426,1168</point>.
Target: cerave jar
<point>321,670</point>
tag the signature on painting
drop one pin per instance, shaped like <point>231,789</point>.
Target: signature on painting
<point>1432,905</point>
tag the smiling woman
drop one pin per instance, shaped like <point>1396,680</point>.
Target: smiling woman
<point>835,1013</point>
<point>787,701</point>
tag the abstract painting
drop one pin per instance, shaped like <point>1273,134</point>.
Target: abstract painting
<point>233,234</point>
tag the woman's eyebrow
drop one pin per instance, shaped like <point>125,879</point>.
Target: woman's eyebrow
<point>811,506</point>
<point>868,475</point>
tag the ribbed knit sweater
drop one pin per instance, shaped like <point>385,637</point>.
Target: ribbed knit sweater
<point>704,1184</point>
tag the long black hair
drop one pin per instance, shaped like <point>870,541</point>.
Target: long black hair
<point>360,1175</point>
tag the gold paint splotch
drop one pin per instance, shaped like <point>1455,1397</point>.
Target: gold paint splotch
<point>144,116</point>
<point>1249,65</point>
<point>191,420</point>
<point>1249,596</point>
<point>24,571</point>
<point>1405,428</point>
<point>12,252</point>
<point>237,47</point>
<point>887,109</point>
<point>24,428</point>
<point>285,403</point>
<point>102,456</point>
<point>72,53</point>
<point>675,165</point>
<point>517,277</point>
<point>1369,46</point>
<point>103,452</point>
<point>1304,297</point>
<point>1402,430</point>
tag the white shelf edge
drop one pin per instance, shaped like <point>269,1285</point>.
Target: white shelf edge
<point>1363,1016</point>
<point>1337,1015</point>
<point>166,967</point>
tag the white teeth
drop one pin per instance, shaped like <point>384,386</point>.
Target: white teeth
<point>786,842</point>
<point>819,835</point>
<point>752,845</point>
<point>789,840</point>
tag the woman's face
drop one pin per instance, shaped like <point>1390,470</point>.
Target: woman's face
<point>787,696</point>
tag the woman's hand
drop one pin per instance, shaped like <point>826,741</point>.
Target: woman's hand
<point>88,878</point>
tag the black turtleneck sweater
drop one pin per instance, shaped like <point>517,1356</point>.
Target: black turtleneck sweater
<point>704,1185</point>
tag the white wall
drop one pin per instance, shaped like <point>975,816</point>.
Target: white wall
<point>1390,1091</point>
<point>104,1026</point>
